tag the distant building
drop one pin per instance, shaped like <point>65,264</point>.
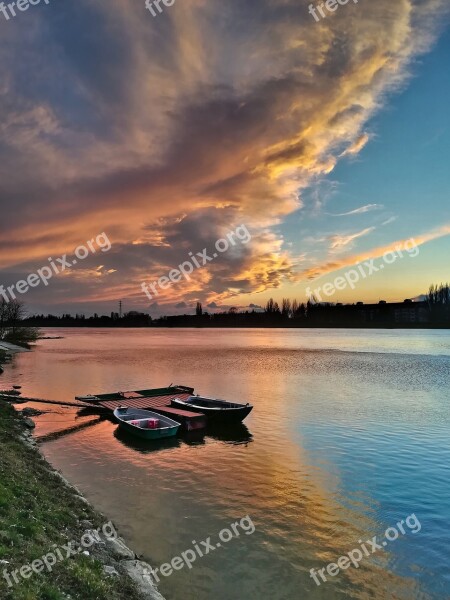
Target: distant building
<point>407,312</point>
<point>411,312</point>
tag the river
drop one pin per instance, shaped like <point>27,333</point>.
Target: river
<point>349,435</point>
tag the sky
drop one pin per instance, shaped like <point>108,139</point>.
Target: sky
<point>328,141</point>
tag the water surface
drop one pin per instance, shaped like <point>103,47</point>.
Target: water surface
<point>349,435</point>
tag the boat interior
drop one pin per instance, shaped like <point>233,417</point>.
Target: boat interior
<point>143,424</point>
<point>211,403</point>
<point>141,421</point>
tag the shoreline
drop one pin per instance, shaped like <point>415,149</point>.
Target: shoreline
<point>108,569</point>
<point>7,351</point>
<point>14,348</point>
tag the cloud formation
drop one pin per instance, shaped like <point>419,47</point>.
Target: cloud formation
<point>164,132</point>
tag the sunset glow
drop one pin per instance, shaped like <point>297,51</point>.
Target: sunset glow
<point>326,139</point>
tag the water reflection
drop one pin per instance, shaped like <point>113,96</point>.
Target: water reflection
<point>340,445</point>
<point>145,446</point>
<point>91,410</point>
<point>54,435</point>
<point>235,434</point>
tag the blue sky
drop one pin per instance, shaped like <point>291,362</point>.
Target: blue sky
<point>403,173</point>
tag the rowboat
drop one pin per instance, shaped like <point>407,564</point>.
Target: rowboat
<point>217,411</point>
<point>145,423</point>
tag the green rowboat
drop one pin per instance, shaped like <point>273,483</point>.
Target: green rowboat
<point>145,424</point>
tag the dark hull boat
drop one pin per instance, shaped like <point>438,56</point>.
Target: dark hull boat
<point>217,411</point>
<point>145,424</point>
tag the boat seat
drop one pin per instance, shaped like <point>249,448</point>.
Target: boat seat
<point>143,423</point>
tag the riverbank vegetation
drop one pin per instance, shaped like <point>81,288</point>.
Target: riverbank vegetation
<point>12,326</point>
<point>37,511</point>
<point>3,357</point>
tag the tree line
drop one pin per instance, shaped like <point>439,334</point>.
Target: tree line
<point>434,309</point>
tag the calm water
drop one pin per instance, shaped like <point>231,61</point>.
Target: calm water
<point>350,434</point>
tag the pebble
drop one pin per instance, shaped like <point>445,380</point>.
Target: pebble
<point>31,412</point>
<point>86,524</point>
<point>111,571</point>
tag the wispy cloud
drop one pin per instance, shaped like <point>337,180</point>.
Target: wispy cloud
<point>359,211</point>
<point>390,220</point>
<point>339,242</point>
<point>357,145</point>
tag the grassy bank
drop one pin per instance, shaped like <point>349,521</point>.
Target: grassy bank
<point>37,511</point>
<point>21,336</point>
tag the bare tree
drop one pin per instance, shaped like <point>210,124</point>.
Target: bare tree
<point>3,317</point>
<point>15,314</point>
<point>11,323</point>
<point>438,299</point>
<point>286,308</point>
<point>439,295</point>
<point>269,306</point>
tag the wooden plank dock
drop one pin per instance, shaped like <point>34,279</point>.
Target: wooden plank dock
<point>17,399</point>
<point>161,404</point>
<point>157,400</point>
<point>135,401</point>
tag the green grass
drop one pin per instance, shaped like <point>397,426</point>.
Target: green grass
<point>37,511</point>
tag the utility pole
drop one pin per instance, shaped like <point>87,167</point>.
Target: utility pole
<point>120,309</point>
